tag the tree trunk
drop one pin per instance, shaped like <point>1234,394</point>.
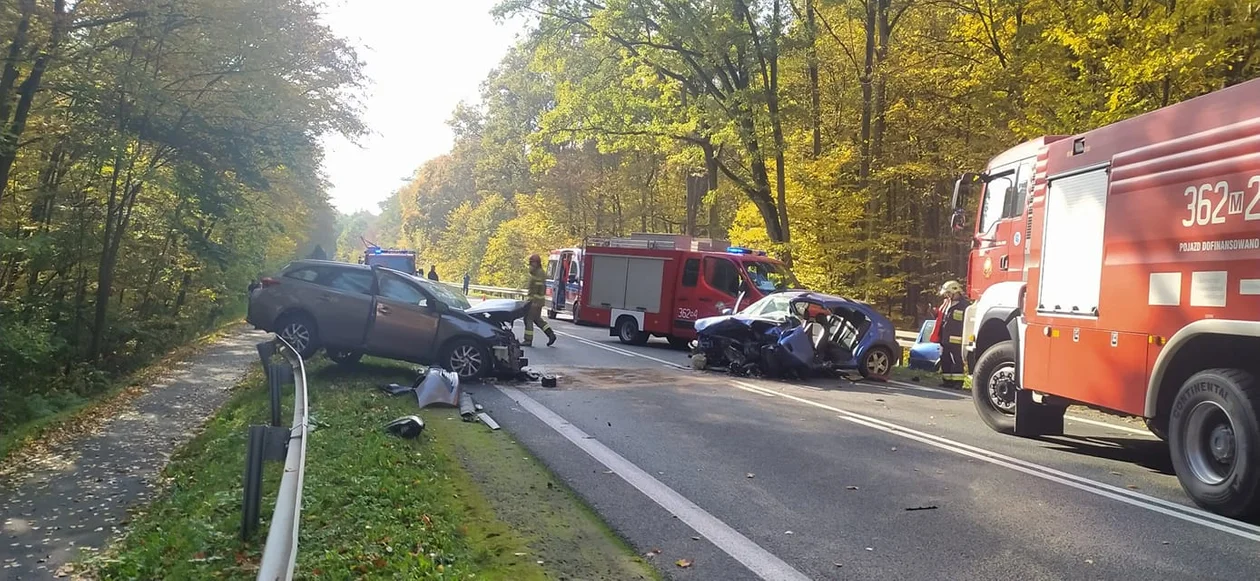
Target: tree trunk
<point>26,95</point>
<point>815,97</point>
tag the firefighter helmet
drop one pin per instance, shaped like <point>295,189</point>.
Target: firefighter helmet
<point>535,259</point>
<point>951,288</point>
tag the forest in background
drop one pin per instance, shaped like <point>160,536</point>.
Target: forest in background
<point>828,132</point>
<point>155,156</point>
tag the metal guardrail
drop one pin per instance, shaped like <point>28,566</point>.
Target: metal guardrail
<point>274,442</point>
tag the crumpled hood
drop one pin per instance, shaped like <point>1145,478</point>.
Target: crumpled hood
<point>499,310</point>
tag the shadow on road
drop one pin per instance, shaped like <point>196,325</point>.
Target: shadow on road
<point>1149,454</point>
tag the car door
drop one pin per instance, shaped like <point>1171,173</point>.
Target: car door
<point>343,305</point>
<point>406,324</point>
<point>686,301</point>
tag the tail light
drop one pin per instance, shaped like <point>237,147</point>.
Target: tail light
<point>268,281</point>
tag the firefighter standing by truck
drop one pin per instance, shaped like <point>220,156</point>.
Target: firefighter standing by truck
<point>537,300</point>
<point>949,329</point>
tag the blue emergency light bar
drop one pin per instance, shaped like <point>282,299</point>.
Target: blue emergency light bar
<point>742,250</point>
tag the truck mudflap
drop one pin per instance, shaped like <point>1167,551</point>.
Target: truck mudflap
<point>1038,418</point>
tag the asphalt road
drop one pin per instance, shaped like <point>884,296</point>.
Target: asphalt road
<point>753,479</point>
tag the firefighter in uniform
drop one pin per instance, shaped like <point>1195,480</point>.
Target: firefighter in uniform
<point>537,300</point>
<point>950,328</point>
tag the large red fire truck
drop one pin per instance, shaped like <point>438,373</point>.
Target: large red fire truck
<point>1120,269</point>
<point>659,284</point>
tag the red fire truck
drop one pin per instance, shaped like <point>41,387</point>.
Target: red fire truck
<point>1120,269</point>
<point>659,284</point>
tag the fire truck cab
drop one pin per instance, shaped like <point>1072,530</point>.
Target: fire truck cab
<point>1120,269</point>
<point>659,285</point>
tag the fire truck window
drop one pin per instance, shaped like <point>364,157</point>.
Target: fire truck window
<point>722,275</point>
<point>995,194</point>
<point>691,272</point>
<point>1023,183</point>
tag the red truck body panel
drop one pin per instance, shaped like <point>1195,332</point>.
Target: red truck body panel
<point>1173,199</point>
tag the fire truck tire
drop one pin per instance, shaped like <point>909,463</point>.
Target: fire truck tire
<point>1214,438</point>
<point>995,366</point>
<point>628,331</point>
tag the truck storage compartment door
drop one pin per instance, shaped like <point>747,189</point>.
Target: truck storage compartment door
<point>644,278</point>
<point>608,281</point>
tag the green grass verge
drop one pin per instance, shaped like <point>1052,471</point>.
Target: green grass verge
<point>458,502</point>
<point>48,431</point>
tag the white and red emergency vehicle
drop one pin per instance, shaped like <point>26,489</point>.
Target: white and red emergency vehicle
<point>659,284</point>
<point>564,281</point>
<point>1120,269</point>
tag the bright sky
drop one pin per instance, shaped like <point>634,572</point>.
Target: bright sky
<point>423,57</point>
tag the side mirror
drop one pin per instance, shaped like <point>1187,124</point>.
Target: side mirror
<point>439,307</point>
<point>957,220</point>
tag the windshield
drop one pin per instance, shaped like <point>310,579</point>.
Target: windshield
<point>444,293</point>
<point>769,307</point>
<point>769,277</point>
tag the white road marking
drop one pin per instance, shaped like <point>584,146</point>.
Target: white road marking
<point>1159,505</point>
<point>1101,424</point>
<point>741,548</point>
<point>621,351</point>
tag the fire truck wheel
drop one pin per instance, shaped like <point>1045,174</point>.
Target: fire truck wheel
<point>993,387</point>
<point>1214,437</point>
<point>628,331</point>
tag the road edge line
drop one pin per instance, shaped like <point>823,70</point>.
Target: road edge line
<point>761,562</point>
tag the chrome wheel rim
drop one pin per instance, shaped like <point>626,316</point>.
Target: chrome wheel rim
<point>1002,388</point>
<point>877,363</point>
<point>1211,446</point>
<point>465,360</point>
<point>297,335</point>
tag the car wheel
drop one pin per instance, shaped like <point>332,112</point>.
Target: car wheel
<point>628,331</point>
<point>679,342</point>
<point>298,330</point>
<point>1214,437</point>
<point>343,357</point>
<point>876,363</point>
<point>993,387</point>
<point>466,358</point>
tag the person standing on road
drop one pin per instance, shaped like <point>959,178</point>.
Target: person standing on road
<point>467,279</point>
<point>433,273</point>
<point>951,330</point>
<point>537,300</point>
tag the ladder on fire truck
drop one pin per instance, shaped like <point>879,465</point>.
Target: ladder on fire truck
<point>661,242</point>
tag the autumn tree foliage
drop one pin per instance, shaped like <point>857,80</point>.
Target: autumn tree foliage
<point>828,132</point>
<point>155,156</point>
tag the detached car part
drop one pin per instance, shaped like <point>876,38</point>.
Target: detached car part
<point>408,427</point>
<point>437,386</point>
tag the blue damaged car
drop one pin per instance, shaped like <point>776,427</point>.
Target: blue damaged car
<point>793,333</point>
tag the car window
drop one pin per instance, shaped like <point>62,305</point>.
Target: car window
<point>691,272</point>
<point>352,281</point>
<point>721,274</point>
<point>399,290</point>
<point>307,274</point>
<point>551,269</point>
<point>444,293</point>
<point>575,268</point>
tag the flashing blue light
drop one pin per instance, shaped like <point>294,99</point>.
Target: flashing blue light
<point>738,250</point>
